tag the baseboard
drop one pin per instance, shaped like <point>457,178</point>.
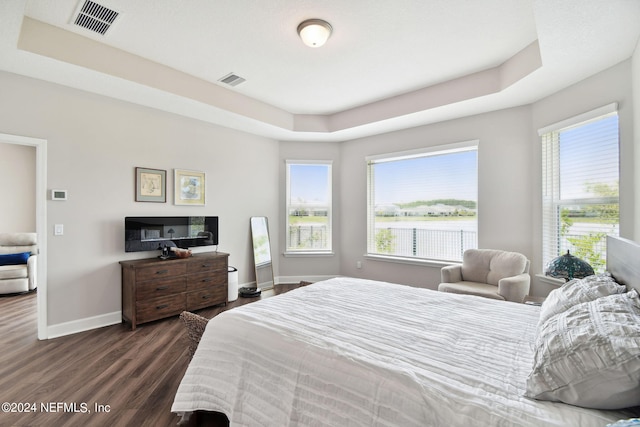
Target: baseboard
<point>283,280</point>
<point>81,325</point>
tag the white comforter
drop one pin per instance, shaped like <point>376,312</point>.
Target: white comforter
<point>352,352</point>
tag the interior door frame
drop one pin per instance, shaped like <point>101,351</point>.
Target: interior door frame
<point>41,221</point>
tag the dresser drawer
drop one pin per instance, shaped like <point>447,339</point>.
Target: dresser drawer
<point>198,265</point>
<point>159,308</point>
<point>160,288</point>
<point>205,280</point>
<point>205,298</point>
<point>160,271</point>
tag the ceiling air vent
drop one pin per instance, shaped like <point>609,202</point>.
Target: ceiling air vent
<point>232,79</point>
<point>94,17</point>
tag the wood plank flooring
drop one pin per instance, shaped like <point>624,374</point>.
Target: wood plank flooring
<point>110,376</point>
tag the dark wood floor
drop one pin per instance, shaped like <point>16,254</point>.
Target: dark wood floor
<point>133,375</point>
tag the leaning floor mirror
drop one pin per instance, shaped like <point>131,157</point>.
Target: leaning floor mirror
<point>262,252</point>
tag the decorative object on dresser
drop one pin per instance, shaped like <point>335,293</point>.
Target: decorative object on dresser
<point>568,267</point>
<point>153,289</point>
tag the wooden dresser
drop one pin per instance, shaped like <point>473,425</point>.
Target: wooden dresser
<point>153,289</point>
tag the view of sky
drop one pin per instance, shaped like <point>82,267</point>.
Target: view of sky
<point>588,154</point>
<point>446,176</point>
<point>308,182</point>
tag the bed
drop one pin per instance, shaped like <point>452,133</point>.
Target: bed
<point>355,352</point>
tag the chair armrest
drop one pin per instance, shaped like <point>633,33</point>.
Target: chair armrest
<point>515,288</point>
<point>451,274</point>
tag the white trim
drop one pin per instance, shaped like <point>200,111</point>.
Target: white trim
<point>285,280</point>
<point>579,119</point>
<point>307,253</point>
<point>420,152</point>
<point>550,280</point>
<point>308,162</point>
<point>412,261</point>
<point>86,324</point>
<point>41,221</point>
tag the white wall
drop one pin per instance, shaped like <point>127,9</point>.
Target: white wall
<point>17,188</point>
<point>94,144</point>
<point>635,76</point>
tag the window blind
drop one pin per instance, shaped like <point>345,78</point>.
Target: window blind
<point>580,198</point>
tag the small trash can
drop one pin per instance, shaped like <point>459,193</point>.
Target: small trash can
<point>233,284</point>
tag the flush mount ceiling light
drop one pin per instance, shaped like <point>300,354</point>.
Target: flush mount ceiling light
<point>314,32</point>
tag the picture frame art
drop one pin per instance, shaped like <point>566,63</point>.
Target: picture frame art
<point>189,187</point>
<point>151,185</point>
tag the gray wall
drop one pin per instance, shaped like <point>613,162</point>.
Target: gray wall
<point>17,188</point>
<point>94,144</point>
<point>509,168</point>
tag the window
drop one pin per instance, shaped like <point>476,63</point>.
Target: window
<point>580,172</point>
<point>423,204</point>
<point>308,206</point>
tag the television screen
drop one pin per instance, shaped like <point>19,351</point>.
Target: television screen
<point>151,233</point>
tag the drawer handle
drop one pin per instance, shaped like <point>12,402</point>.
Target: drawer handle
<point>206,265</point>
<point>205,296</point>
<point>205,280</point>
<point>162,288</point>
<point>162,271</point>
<point>160,307</point>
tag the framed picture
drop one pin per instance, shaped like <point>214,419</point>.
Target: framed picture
<point>151,185</point>
<point>189,187</point>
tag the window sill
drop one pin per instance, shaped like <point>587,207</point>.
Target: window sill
<point>411,261</point>
<point>309,254</point>
<point>550,280</point>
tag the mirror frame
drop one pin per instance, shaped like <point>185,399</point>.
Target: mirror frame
<point>262,258</point>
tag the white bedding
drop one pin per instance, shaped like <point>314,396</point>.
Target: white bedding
<point>352,352</point>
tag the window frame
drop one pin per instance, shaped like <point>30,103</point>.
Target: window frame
<point>552,201</point>
<point>328,250</point>
<point>444,149</point>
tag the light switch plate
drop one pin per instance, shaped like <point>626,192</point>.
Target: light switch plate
<point>58,229</point>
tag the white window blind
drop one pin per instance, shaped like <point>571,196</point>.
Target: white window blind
<point>309,206</point>
<point>580,201</point>
<point>423,203</point>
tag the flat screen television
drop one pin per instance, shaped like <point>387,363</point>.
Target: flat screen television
<point>150,233</point>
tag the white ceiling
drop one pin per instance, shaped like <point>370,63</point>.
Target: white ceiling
<point>388,64</point>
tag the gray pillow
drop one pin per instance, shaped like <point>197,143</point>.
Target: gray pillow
<point>589,355</point>
<point>577,291</point>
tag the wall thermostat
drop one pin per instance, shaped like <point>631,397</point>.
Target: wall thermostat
<point>58,194</point>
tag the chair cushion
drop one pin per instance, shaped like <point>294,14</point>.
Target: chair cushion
<point>14,259</point>
<point>491,265</point>
<point>471,288</point>
<point>13,272</point>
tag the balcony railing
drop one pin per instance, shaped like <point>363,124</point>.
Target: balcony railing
<point>424,243</point>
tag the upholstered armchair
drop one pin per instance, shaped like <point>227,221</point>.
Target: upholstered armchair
<point>18,262</point>
<point>488,273</point>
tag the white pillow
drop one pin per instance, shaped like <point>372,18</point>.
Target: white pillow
<point>577,291</point>
<point>589,355</point>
